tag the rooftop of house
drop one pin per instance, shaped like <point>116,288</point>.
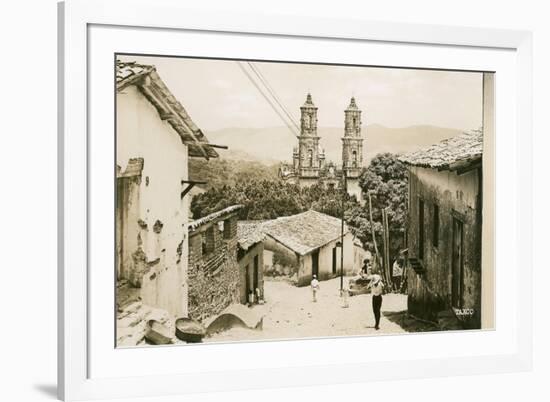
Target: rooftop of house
<point>450,154</point>
<point>304,232</point>
<point>147,80</point>
<point>213,217</point>
<point>249,233</point>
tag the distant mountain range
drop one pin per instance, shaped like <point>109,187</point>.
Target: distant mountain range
<point>274,144</point>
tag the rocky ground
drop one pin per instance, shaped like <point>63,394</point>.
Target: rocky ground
<point>291,313</point>
<point>132,320</point>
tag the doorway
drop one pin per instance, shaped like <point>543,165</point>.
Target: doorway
<point>420,229</point>
<point>334,259</point>
<point>315,263</point>
<point>457,268</point>
<point>247,285</point>
<point>126,225</point>
<point>255,274</point>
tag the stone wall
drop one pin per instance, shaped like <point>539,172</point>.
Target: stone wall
<point>457,198</point>
<point>213,277</point>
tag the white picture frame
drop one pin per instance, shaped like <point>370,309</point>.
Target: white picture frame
<point>79,379</point>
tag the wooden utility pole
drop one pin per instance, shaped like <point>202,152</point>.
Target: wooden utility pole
<point>344,193</point>
<point>387,266</point>
<point>373,232</point>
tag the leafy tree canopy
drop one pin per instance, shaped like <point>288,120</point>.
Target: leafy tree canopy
<point>264,196</point>
<point>387,182</point>
<point>267,199</point>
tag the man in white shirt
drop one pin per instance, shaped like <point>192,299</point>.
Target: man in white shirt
<point>314,287</point>
<point>377,288</point>
<point>397,273</point>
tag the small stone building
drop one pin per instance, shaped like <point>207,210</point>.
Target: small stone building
<point>251,259</point>
<point>444,231</point>
<point>309,243</point>
<point>155,137</point>
<point>214,276</point>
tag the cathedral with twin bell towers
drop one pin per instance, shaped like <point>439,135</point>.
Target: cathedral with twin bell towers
<point>308,160</point>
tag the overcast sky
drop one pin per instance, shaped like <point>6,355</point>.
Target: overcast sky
<point>217,94</point>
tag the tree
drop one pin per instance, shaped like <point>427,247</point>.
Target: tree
<point>387,181</point>
<point>269,198</point>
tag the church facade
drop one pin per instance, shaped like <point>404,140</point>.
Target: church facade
<point>309,165</point>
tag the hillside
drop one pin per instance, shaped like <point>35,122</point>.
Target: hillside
<point>273,144</point>
<point>226,172</point>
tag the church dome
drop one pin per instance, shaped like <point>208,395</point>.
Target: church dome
<point>352,105</point>
<point>309,101</point>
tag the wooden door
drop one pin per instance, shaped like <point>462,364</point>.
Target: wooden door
<point>119,213</point>
<point>421,231</point>
<point>247,281</point>
<point>255,274</point>
<point>457,268</point>
<point>334,260</point>
<point>315,263</point>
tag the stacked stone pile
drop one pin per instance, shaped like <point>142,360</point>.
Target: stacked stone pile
<point>132,323</point>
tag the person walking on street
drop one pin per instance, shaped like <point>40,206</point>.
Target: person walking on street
<point>365,268</point>
<point>377,287</point>
<point>397,273</point>
<point>250,298</point>
<point>314,287</point>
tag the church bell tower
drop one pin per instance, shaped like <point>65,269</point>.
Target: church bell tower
<point>352,142</point>
<point>310,157</point>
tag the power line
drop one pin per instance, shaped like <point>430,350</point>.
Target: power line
<point>256,70</point>
<point>290,127</point>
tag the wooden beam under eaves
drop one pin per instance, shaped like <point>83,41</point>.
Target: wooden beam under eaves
<point>207,144</point>
<point>190,185</point>
<point>468,168</point>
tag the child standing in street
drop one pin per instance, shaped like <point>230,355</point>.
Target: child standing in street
<point>250,298</point>
<point>314,287</point>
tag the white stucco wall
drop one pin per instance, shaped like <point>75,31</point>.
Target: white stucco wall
<point>353,188</point>
<point>141,133</point>
<point>325,260</point>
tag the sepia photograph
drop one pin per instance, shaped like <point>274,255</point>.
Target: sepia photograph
<point>270,200</point>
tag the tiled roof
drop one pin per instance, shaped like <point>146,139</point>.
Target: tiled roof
<point>147,80</point>
<point>304,232</point>
<point>129,73</point>
<point>194,225</point>
<point>250,233</point>
<point>460,151</point>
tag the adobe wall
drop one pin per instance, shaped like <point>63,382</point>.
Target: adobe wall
<point>456,196</point>
<point>155,238</point>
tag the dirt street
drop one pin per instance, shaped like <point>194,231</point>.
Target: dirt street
<point>291,313</point>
